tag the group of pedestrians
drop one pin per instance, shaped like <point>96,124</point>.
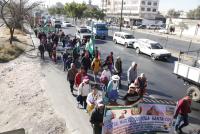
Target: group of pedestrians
<point>106,76</point>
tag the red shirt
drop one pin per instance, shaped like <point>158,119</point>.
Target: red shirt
<point>78,78</point>
<point>183,106</point>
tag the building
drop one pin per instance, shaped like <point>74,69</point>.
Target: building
<point>133,10</point>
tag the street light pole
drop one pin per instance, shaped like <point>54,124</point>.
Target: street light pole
<point>122,6</point>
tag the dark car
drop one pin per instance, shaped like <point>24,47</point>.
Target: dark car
<point>141,27</point>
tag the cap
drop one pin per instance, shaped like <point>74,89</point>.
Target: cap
<point>85,79</point>
<point>115,77</point>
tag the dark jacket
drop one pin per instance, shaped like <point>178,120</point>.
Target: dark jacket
<point>96,119</point>
<point>71,74</point>
<point>118,67</point>
<point>86,62</point>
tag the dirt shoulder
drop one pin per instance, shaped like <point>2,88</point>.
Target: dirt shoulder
<point>23,101</point>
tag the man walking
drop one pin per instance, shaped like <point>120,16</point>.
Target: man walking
<point>181,114</point>
<point>96,118</point>
<point>118,68</point>
<point>86,62</point>
<point>71,76</point>
<point>132,73</point>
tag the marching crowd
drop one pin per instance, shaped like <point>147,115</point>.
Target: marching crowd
<point>106,76</point>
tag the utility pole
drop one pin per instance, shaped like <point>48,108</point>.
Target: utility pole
<point>122,6</point>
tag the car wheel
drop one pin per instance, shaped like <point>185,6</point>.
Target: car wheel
<point>153,57</point>
<point>137,50</point>
<point>126,44</point>
<point>115,41</point>
<point>194,92</point>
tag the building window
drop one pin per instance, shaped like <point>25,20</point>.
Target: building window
<point>143,3</point>
<point>149,3</point>
<point>142,9</point>
<point>154,10</point>
<point>149,9</point>
<point>155,3</point>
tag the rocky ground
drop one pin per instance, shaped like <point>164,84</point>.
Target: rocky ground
<point>23,101</point>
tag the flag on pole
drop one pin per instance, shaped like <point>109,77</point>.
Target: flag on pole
<point>90,46</point>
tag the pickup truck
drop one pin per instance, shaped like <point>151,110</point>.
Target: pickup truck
<point>190,74</point>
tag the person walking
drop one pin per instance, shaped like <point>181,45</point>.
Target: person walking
<point>49,48</point>
<point>141,83</point>
<point>96,66</point>
<point>110,61</point>
<point>105,76</point>
<point>86,62</point>
<point>132,73</point>
<point>118,68</point>
<point>65,58</point>
<point>93,97</point>
<point>83,91</point>
<point>96,118</point>
<point>42,50</point>
<point>181,114</point>
<point>71,76</point>
<point>79,76</point>
<point>112,89</point>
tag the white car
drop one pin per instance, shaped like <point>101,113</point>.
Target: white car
<point>83,33</point>
<point>151,48</point>
<point>123,38</point>
<point>66,24</point>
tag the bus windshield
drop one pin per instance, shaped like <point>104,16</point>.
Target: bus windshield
<point>101,27</point>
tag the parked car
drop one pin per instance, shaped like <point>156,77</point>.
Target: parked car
<point>123,38</point>
<point>141,27</point>
<point>126,26</point>
<point>151,48</point>
<point>163,30</point>
<point>152,27</point>
<point>66,24</point>
<point>83,33</point>
<point>57,24</point>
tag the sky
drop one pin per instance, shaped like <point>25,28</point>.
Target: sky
<point>164,4</point>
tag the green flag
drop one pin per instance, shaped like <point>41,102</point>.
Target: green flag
<point>90,46</point>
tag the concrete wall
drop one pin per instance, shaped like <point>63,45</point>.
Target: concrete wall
<point>192,27</point>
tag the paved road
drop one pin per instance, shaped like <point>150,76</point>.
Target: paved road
<point>174,44</point>
<point>161,81</point>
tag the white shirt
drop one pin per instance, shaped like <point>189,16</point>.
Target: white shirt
<point>93,99</point>
<point>107,73</point>
<point>84,89</point>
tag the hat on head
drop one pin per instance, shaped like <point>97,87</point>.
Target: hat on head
<point>142,75</point>
<point>132,85</point>
<point>100,103</point>
<point>86,79</point>
<point>115,77</point>
<point>133,63</point>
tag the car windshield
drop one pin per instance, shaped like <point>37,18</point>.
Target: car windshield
<point>156,46</point>
<point>101,27</point>
<point>85,31</point>
<point>129,36</point>
<point>66,22</point>
<point>57,21</point>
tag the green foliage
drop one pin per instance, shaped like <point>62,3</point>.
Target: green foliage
<point>172,13</point>
<point>194,14</point>
<point>78,11</point>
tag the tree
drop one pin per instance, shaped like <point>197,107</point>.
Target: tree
<point>182,26</point>
<point>191,14</point>
<point>94,13</point>
<point>75,10</point>
<point>173,14</point>
<point>194,14</point>
<point>14,13</point>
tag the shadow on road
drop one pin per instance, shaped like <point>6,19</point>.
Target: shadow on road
<point>158,93</point>
<point>98,41</point>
